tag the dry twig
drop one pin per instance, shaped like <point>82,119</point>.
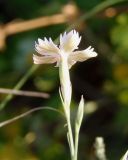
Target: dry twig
<point>69,13</point>
<point>24,93</point>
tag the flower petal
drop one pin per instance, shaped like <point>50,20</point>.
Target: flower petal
<point>44,59</point>
<point>69,41</point>
<point>71,62</point>
<point>81,55</point>
<point>46,47</point>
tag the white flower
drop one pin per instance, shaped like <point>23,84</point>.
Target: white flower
<point>65,55</point>
<point>51,53</point>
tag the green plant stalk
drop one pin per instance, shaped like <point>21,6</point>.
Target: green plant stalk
<point>66,89</point>
<point>94,11</point>
<point>18,85</point>
<point>66,92</point>
<point>86,16</point>
<point>6,122</point>
<point>76,144</point>
<point>70,139</point>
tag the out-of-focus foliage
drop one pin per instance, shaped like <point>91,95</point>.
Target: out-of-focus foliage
<point>119,36</point>
<point>103,81</point>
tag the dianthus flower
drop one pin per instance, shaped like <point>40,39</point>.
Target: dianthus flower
<point>51,53</point>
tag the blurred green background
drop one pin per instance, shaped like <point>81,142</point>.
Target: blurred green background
<point>103,81</point>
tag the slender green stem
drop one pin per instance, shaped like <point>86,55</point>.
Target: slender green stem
<point>4,123</point>
<point>66,88</point>
<point>18,85</point>
<point>76,144</point>
<point>70,138</point>
<point>66,91</point>
<point>94,11</point>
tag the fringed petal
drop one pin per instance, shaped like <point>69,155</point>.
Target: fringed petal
<point>44,59</point>
<point>69,41</point>
<point>81,55</point>
<point>46,47</point>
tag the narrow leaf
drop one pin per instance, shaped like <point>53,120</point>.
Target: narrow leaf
<point>80,113</point>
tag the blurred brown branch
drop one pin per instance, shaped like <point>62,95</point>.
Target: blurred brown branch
<point>16,27</point>
<point>24,93</point>
<point>69,13</point>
